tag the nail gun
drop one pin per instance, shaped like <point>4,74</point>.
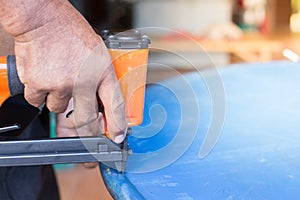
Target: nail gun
<point>133,49</point>
<point>16,117</point>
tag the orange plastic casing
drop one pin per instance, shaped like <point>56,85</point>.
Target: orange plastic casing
<point>131,70</point>
<point>4,88</point>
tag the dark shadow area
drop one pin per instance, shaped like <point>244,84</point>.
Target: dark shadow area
<point>114,15</point>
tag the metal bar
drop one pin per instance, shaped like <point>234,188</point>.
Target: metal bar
<point>59,150</point>
<point>9,128</point>
<point>56,145</point>
<point>44,159</point>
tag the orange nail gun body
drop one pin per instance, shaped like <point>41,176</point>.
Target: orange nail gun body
<point>4,88</point>
<point>123,47</point>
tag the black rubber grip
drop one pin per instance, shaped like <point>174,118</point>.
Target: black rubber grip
<point>15,85</point>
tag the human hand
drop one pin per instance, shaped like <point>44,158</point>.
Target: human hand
<point>60,57</point>
<point>66,126</point>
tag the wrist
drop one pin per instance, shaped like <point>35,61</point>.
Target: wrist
<point>18,16</point>
<point>50,22</point>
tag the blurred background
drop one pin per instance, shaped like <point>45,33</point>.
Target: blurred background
<point>201,33</point>
<point>227,30</point>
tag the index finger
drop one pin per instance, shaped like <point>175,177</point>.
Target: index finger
<point>97,77</point>
<point>114,107</point>
<point>84,96</point>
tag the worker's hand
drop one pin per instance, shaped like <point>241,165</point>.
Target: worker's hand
<point>59,56</point>
<point>66,123</point>
<point>65,127</point>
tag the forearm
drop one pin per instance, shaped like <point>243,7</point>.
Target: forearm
<point>21,16</point>
<point>31,19</point>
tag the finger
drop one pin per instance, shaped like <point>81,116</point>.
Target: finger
<point>93,128</point>
<point>114,107</point>
<point>34,97</point>
<point>65,124</point>
<point>84,93</point>
<point>58,101</point>
<point>101,122</point>
<point>90,165</point>
<point>85,115</point>
<point>64,131</point>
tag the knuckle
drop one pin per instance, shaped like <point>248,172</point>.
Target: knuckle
<point>36,102</point>
<point>58,101</point>
<point>51,108</point>
<point>55,107</point>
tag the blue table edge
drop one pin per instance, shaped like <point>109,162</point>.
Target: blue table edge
<point>118,185</point>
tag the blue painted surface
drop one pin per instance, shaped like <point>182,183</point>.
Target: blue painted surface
<point>118,185</point>
<point>257,155</point>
